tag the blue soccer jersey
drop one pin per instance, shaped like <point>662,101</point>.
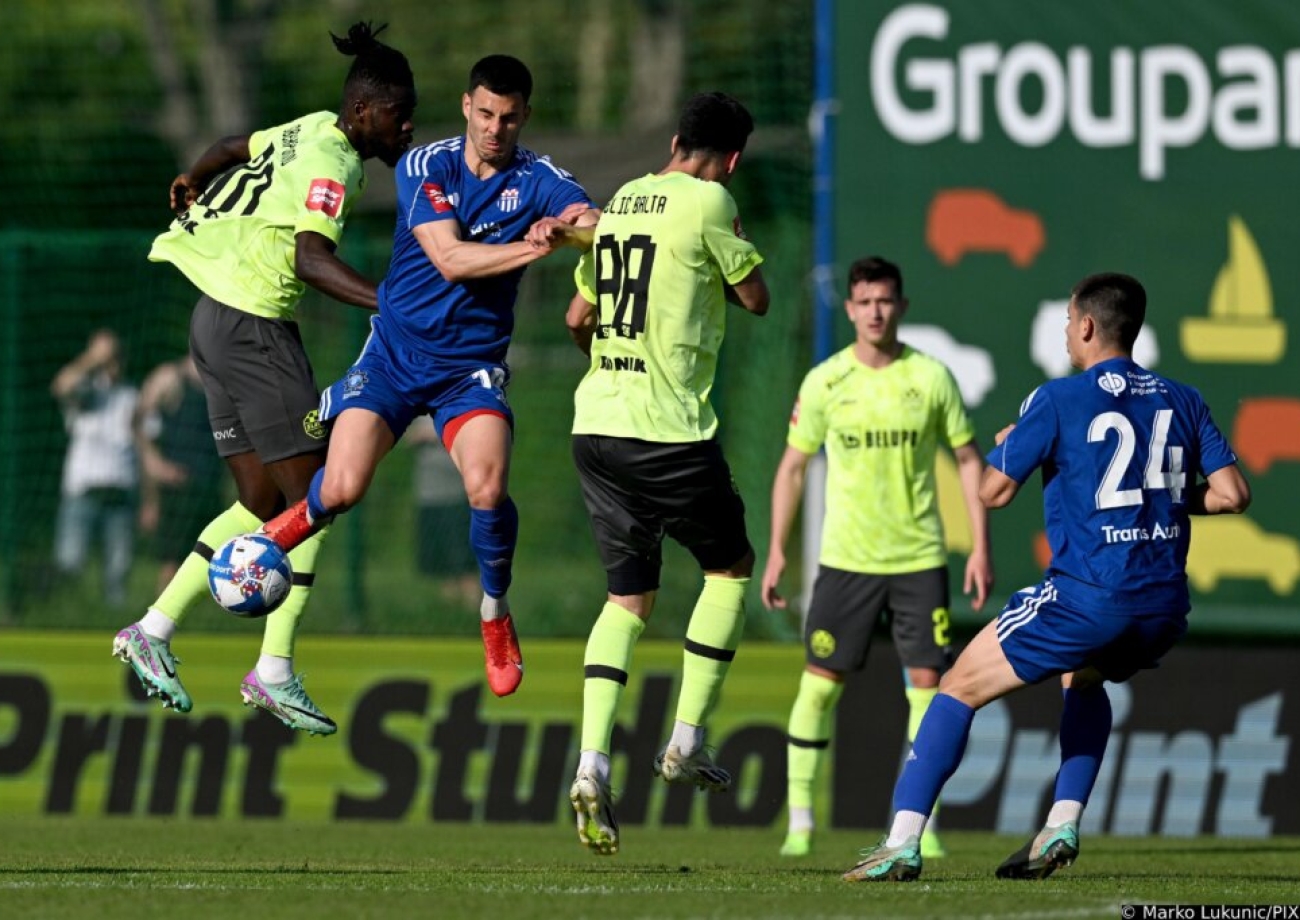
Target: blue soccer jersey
<point>1120,449</point>
<point>466,322</point>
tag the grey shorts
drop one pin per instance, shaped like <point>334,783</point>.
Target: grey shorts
<point>262,394</point>
<point>846,607</point>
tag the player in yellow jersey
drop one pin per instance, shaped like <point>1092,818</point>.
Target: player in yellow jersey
<point>881,409</point>
<point>651,311</point>
<point>258,219</point>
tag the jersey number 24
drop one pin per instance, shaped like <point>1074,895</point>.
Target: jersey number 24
<point>1156,475</point>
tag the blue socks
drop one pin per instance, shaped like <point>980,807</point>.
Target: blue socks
<point>493,534</point>
<point>936,753</point>
<point>1085,729</point>
<point>316,511</point>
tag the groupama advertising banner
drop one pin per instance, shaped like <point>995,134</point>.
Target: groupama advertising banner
<point>1001,151</point>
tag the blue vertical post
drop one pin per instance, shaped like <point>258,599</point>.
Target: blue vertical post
<point>822,126</point>
<point>821,123</point>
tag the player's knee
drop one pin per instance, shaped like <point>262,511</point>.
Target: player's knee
<point>485,489</point>
<point>342,489</point>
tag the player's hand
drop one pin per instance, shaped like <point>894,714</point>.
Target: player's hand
<point>571,214</point>
<point>184,191</point>
<point>548,234</point>
<point>979,578</point>
<point>772,598</point>
<point>1002,435</point>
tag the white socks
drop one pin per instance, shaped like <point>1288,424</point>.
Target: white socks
<point>158,625</point>
<point>272,669</point>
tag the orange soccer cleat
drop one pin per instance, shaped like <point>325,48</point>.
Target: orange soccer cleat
<point>503,660</point>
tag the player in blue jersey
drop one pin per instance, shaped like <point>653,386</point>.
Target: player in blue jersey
<point>1126,456</point>
<point>472,213</point>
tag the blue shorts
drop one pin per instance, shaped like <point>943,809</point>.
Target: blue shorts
<point>1042,637</point>
<point>399,384</point>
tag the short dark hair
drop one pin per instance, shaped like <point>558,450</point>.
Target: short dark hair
<point>378,68</point>
<point>874,268</point>
<point>713,123</point>
<point>502,75</point>
<point>1117,303</point>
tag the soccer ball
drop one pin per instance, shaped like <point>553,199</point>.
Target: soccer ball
<point>249,575</point>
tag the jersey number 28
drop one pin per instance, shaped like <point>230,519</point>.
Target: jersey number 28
<point>623,279</point>
<point>1157,475</point>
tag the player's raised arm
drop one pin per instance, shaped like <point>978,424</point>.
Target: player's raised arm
<point>458,259</point>
<point>225,153</point>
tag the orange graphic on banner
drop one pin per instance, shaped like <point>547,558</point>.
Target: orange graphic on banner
<point>1267,429</point>
<point>977,220</point>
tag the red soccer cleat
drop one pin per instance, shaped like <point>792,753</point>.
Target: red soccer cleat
<point>503,660</point>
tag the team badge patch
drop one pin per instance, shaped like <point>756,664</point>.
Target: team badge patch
<point>437,198</point>
<point>326,196</point>
<point>509,200</point>
<point>311,424</point>
<point>354,383</point>
<point>821,643</point>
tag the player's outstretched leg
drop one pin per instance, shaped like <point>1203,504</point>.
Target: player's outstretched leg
<point>1051,849</point>
<point>883,863</point>
<point>152,660</point>
<point>288,702</point>
<point>593,805</point>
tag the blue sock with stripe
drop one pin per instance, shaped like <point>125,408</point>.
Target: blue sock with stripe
<point>493,533</point>
<point>936,753</point>
<point>1085,730</point>
<point>316,509</point>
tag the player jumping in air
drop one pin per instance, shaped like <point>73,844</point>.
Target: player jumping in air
<point>259,218</point>
<point>472,213</point>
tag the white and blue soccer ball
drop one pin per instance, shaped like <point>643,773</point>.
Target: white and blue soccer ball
<point>249,575</point>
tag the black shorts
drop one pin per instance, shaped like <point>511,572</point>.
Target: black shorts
<point>262,394</point>
<point>637,492</point>
<point>847,605</point>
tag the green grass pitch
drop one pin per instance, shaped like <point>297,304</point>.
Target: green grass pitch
<point>196,870</point>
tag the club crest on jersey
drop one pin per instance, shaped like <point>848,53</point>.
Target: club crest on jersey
<point>509,200</point>
<point>1114,384</point>
<point>326,196</point>
<point>437,198</point>
<point>354,383</point>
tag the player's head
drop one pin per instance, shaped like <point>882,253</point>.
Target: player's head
<point>1106,311</point>
<point>874,268</point>
<point>496,107</point>
<point>875,304</point>
<point>713,128</point>
<point>378,95</point>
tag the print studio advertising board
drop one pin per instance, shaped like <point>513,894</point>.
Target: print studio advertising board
<point>1001,151</point>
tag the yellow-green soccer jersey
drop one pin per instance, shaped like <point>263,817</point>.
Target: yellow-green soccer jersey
<point>236,242</point>
<point>664,246</point>
<point>881,428</point>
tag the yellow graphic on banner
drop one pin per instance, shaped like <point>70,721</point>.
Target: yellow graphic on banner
<point>1237,547</point>
<point>1241,328</point>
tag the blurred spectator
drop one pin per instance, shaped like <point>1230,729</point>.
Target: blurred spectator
<point>442,518</point>
<point>99,469</point>
<point>181,474</point>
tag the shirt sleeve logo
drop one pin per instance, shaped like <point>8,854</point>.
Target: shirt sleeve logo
<point>437,198</point>
<point>326,196</point>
